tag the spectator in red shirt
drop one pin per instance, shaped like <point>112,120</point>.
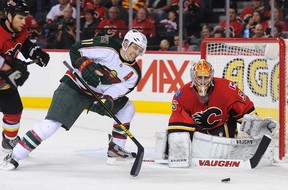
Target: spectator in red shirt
<point>124,15</point>
<point>112,26</point>
<point>142,24</point>
<point>235,25</point>
<point>257,5</point>
<point>99,9</point>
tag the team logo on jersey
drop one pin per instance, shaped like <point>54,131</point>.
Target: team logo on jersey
<point>178,94</point>
<point>111,30</point>
<point>208,118</point>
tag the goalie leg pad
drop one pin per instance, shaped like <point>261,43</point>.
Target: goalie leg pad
<point>208,146</point>
<point>160,145</point>
<point>179,155</point>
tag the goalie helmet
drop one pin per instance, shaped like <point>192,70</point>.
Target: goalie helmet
<point>17,7</point>
<point>136,37</point>
<point>202,74</point>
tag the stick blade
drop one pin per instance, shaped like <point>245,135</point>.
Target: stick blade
<point>138,162</point>
<point>254,161</point>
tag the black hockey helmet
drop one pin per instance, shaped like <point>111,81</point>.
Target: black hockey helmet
<point>17,7</point>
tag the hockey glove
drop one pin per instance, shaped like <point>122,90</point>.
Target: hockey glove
<point>88,70</point>
<point>18,73</point>
<point>257,127</point>
<point>98,108</point>
<point>42,56</point>
<point>31,50</point>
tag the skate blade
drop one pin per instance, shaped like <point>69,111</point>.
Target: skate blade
<point>7,166</point>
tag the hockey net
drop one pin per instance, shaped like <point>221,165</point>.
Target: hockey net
<point>259,67</point>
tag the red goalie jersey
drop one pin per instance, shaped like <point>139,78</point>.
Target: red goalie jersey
<point>226,103</point>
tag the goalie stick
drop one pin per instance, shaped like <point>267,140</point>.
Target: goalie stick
<point>140,149</point>
<point>227,163</point>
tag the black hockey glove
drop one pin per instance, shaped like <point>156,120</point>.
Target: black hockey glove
<point>98,108</point>
<point>31,50</point>
<point>19,65</point>
<point>18,73</point>
<point>87,68</point>
<point>42,56</point>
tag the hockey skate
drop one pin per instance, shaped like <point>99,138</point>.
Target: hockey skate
<point>9,163</point>
<point>8,144</point>
<point>117,155</point>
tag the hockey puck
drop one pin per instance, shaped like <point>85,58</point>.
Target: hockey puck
<point>226,179</point>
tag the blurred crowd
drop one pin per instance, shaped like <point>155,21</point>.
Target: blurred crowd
<point>52,23</point>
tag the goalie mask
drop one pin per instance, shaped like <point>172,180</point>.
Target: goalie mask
<point>133,36</point>
<point>202,74</point>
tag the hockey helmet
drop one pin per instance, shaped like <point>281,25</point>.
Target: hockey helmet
<point>202,74</point>
<point>136,37</point>
<point>17,7</point>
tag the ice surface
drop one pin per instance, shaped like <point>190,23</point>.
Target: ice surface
<point>75,160</point>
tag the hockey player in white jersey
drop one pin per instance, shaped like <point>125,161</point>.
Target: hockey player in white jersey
<point>110,69</point>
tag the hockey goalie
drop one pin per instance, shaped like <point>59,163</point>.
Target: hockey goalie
<point>204,118</point>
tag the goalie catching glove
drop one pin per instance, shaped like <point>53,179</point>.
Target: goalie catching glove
<point>257,127</point>
<point>98,108</point>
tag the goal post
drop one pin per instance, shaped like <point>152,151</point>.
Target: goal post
<point>259,67</point>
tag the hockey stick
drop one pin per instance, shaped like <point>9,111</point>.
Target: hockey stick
<point>140,149</point>
<point>227,163</point>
